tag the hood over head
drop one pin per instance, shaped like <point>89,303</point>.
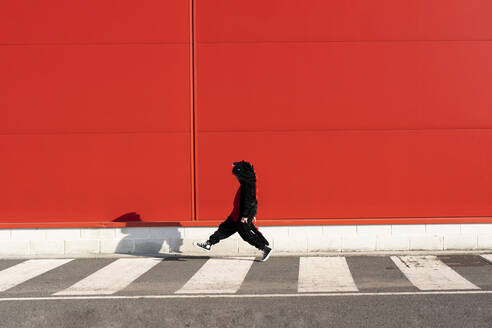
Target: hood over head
<point>244,171</point>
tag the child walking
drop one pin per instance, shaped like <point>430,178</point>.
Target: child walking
<point>242,218</point>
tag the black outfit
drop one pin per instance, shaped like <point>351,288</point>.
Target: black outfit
<point>245,206</point>
<point>247,231</point>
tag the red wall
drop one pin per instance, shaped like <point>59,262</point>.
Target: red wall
<point>349,110</point>
<point>95,110</point>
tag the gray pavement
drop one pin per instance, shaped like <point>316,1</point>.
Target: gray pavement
<point>268,296</point>
<point>339,311</point>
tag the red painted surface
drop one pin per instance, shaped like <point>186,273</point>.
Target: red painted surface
<point>94,111</point>
<point>348,109</point>
<point>344,86</point>
<point>94,21</point>
<point>353,112</point>
<point>351,174</point>
<point>94,89</point>
<point>256,21</point>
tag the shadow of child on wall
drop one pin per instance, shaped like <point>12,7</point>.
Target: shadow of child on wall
<point>141,240</point>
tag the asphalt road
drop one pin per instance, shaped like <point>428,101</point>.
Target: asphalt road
<point>328,311</point>
<point>267,295</point>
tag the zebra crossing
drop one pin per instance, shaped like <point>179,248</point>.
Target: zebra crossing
<point>325,274</point>
<point>429,273</point>
<point>26,270</point>
<point>111,278</point>
<point>244,275</point>
<point>218,276</point>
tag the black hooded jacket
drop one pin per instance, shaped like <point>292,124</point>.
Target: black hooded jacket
<point>248,204</point>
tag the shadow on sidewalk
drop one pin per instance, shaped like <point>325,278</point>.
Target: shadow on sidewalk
<point>163,241</point>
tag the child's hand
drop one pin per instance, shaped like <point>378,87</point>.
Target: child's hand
<point>245,220</point>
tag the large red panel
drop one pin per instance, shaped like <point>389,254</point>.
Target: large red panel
<point>94,177</point>
<point>366,85</point>
<point>350,174</point>
<point>335,20</point>
<point>88,88</point>
<point>94,21</point>
<point>95,110</point>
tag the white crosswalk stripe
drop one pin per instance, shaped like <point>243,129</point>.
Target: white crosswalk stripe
<point>27,270</point>
<point>218,276</point>
<point>325,274</point>
<point>488,257</point>
<point>227,276</point>
<point>429,273</point>
<point>112,278</point>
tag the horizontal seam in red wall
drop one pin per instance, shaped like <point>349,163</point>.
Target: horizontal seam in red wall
<point>287,222</point>
<point>334,41</point>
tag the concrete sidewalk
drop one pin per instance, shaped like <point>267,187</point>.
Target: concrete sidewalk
<point>301,240</point>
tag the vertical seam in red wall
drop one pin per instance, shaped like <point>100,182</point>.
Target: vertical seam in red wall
<point>192,109</point>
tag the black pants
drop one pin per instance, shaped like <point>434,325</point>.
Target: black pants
<point>247,231</point>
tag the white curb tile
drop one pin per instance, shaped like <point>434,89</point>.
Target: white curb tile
<point>132,233</point>
<point>376,229</point>
<point>476,228</point>
<point>309,231</point>
<point>290,244</point>
<point>82,247</point>
<point>5,234</point>
<point>62,234</point>
<point>41,247</point>
<point>28,234</point>
<point>228,246</point>
<point>123,246</point>
<point>330,243</point>
<point>274,232</point>
<point>98,233</point>
<point>14,247</point>
<point>392,243</point>
<point>407,229</point>
<point>151,246</point>
<point>339,229</point>
<point>167,233</point>
<point>440,229</point>
<point>358,242</point>
<point>199,232</point>
<point>460,241</point>
<point>484,241</point>
<point>426,242</point>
